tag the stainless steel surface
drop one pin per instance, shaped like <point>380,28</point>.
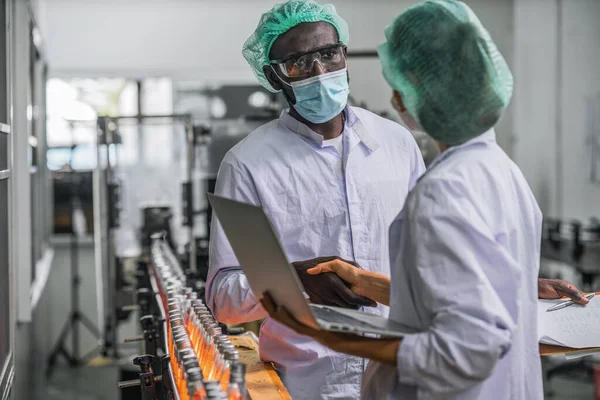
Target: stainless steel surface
<point>127,384</point>
<point>100,237</point>
<point>4,174</point>
<point>165,338</point>
<point>135,382</point>
<point>191,147</point>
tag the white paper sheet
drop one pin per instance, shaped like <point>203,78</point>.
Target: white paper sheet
<point>574,326</point>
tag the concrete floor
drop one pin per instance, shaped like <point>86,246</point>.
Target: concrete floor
<point>34,343</point>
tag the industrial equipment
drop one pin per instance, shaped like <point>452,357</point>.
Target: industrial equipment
<point>187,354</point>
<point>122,189</point>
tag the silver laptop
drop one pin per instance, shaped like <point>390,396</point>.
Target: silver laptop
<point>264,263</point>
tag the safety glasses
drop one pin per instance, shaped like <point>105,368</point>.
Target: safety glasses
<point>300,65</point>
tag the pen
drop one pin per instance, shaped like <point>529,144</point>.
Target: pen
<point>568,303</point>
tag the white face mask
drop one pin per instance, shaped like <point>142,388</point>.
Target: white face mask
<point>321,98</point>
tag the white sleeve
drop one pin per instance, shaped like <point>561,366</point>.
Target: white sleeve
<point>228,293</point>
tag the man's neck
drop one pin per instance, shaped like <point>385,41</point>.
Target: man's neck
<point>329,130</point>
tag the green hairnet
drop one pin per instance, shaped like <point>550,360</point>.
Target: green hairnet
<point>443,62</point>
<point>281,18</point>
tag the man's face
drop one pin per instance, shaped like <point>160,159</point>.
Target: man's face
<point>301,39</point>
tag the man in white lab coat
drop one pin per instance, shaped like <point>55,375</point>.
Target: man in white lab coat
<point>331,178</point>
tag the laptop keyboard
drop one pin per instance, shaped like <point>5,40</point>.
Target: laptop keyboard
<point>332,316</point>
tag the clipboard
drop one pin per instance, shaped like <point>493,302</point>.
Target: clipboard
<point>550,350</point>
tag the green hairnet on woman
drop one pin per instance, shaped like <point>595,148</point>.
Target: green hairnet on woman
<point>465,249</point>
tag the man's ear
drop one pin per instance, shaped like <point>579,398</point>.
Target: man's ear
<point>346,57</point>
<point>272,77</point>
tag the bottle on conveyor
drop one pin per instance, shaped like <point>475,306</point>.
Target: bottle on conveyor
<point>195,387</point>
<point>237,382</point>
<point>229,357</point>
<point>213,390</point>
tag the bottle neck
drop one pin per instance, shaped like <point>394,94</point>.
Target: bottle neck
<point>234,392</point>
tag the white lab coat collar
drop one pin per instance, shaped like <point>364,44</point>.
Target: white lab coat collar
<point>352,121</point>
<point>485,138</point>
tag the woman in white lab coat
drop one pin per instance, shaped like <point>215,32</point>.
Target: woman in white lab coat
<point>465,249</point>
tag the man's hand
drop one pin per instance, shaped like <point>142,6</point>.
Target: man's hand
<point>557,288</point>
<point>328,288</point>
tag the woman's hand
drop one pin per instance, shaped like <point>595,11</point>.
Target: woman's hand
<point>382,350</point>
<point>346,271</point>
<point>329,339</point>
<point>329,289</point>
<point>367,284</point>
<point>557,288</point>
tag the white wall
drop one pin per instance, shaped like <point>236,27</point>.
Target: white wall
<point>580,70</point>
<point>202,39</point>
<point>557,67</point>
<point>535,98</point>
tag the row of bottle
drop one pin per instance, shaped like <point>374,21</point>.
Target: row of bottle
<point>206,366</point>
<point>204,362</point>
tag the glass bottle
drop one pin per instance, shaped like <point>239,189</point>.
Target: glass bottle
<point>229,358</point>
<point>212,330</point>
<point>222,348</point>
<point>213,352</point>
<point>195,387</point>
<point>237,382</point>
<point>203,339</point>
<point>213,390</point>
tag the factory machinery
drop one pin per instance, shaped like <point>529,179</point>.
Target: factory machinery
<point>187,353</point>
